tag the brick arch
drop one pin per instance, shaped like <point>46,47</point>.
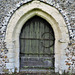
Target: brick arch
<point>52,16</point>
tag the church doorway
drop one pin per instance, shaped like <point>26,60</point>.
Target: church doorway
<point>36,45</point>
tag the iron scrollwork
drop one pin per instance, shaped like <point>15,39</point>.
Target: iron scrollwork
<point>47,39</point>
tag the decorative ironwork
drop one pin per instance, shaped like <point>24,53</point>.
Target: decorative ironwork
<point>49,39</point>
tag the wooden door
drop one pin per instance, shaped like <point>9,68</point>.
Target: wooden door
<point>36,45</point>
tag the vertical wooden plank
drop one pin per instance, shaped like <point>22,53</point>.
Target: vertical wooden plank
<point>47,42</point>
<point>34,41</point>
<point>22,43</point>
<point>30,35</point>
<point>42,31</point>
<point>36,36</point>
<point>32,49</point>
<point>40,36</point>
<point>39,41</point>
<point>51,49</point>
<point>24,34</point>
<point>26,41</point>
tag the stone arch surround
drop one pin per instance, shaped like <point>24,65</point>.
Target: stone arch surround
<point>52,16</point>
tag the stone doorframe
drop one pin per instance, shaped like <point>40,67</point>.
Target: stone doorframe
<point>52,16</point>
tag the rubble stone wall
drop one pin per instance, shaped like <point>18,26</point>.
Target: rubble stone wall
<point>65,7</point>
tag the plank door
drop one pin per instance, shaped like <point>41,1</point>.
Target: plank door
<point>36,45</point>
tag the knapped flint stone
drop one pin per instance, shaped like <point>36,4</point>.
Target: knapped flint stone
<point>6,60</point>
<point>0,61</point>
<point>1,56</point>
<point>5,51</point>
<point>6,5</point>
<point>1,69</point>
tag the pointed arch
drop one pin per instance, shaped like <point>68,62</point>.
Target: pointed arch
<point>52,16</point>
